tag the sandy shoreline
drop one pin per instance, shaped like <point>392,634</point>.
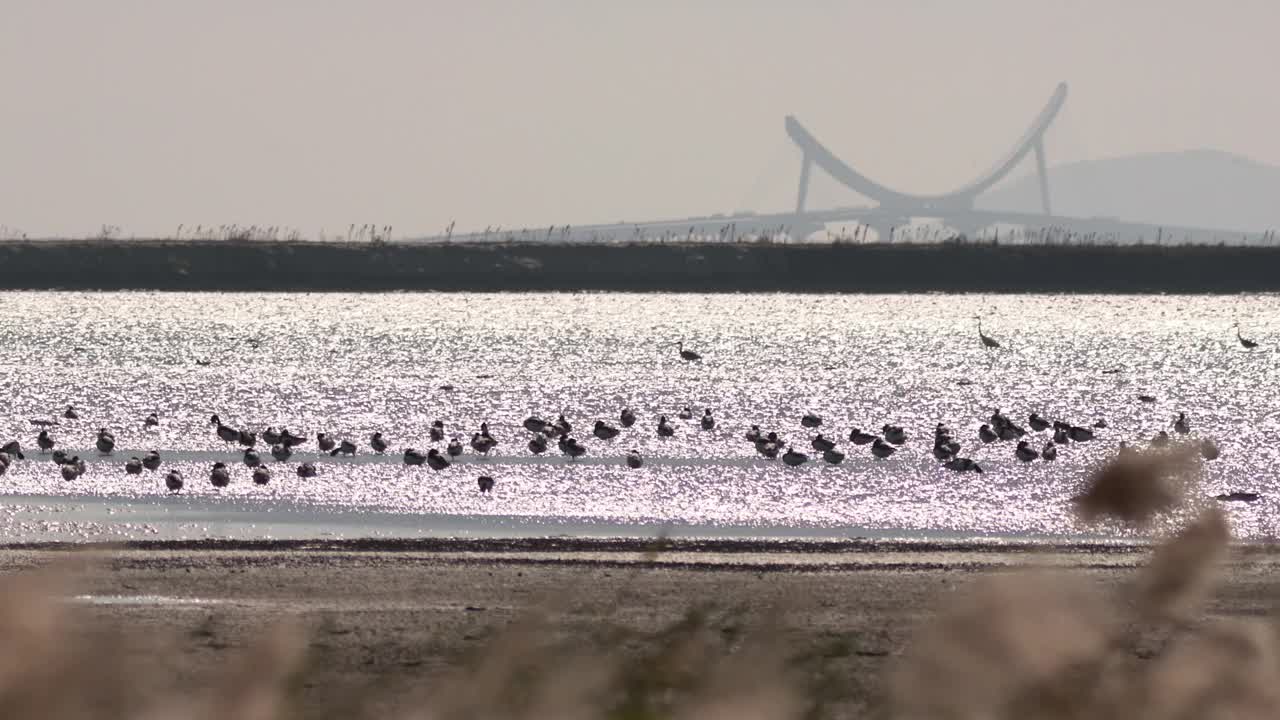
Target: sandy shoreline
<point>399,615</point>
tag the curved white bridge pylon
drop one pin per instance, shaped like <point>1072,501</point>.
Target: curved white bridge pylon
<point>961,198</point>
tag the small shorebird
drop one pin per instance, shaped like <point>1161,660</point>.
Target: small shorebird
<point>325,443</point>
<point>627,418</point>
<point>1060,434</point>
<point>894,435</point>
<point>1024,452</point>
<point>346,447</point>
<point>482,443</point>
<point>307,470</point>
<point>832,456</point>
<point>281,452</point>
<point>707,422</point>
<point>857,437</point>
<point>963,464</point>
<point>603,431</point>
<point>665,429</point>
<point>173,480</point>
<point>413,457</point>
<point>251,458</point>
<point>151,461</point>
<point>1180,424</point>
<point>811,420</point>
<point>219,476</point>
<point>574,449</point>
<point>290,440</point>
<point>1011,432</point>
<point>1079,434</point>
<point>13,448</point>
<point>769,446</point>
<point>538,444</point>
<point>822,444</point>
<point>436,461</point>
<point>485,483</point>
<point>562,426</point>
<point>261,475</point>
<point>133,466</point>
<point>106,442</point>
<point>882,449</point>
<point>377,442</point>
<point>793,458</point>
<point>72,469</point>
<point>225,433</point>
<point>634,460</point>
<point>44,442</point>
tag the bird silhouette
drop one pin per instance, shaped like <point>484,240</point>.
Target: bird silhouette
<point>794,458</point>
<point>1180,424</point>
<point>987,341</point>
<point>1245,342</point>
<point>687,355</point>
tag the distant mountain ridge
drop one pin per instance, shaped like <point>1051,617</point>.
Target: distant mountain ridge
<point>1195,188</point>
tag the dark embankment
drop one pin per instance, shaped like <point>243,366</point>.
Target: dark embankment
<point>157,265</point>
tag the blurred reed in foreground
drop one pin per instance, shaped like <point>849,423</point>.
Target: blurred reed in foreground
<point>1030,644</point>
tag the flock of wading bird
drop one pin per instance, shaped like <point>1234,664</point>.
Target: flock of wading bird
<point>768,444</point>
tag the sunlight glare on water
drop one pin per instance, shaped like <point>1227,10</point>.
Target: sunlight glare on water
<point>352,364</point>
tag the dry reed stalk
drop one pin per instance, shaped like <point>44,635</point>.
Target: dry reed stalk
<point>1006,634</point>
<point>1230,669</point>
<point>1136,487</point>
<point>1182,570</point>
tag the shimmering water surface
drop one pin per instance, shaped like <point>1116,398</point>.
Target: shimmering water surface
<point>353,364</point>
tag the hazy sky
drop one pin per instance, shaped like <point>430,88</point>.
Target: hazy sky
<point>318,114</point>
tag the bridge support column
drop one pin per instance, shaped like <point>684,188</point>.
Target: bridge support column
<point>1043,172</point>
<point>806,166</point>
